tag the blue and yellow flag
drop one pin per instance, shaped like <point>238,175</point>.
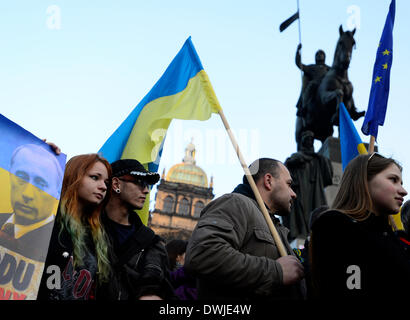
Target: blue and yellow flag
<point>350,143</point>
<point>379,94</point>
<point>31,177</point>
<point>183,92</point>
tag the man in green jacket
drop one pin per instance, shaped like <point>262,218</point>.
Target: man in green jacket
<point>231,250</point>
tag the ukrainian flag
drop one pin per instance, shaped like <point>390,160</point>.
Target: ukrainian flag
<point>183,92</point>
<point>350,143</point>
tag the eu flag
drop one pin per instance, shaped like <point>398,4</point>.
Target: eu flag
<point>379,93</point>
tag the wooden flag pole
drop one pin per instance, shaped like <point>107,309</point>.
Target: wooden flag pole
<point>255,190</point>
<point>371,144</point>
<point>371,150</point>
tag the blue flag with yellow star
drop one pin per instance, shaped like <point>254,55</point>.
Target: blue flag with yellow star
<point>379,94</point>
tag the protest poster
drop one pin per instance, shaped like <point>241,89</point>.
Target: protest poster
<point>31,176</point>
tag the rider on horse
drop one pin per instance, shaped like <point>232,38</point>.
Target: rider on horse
<point>321,98</point>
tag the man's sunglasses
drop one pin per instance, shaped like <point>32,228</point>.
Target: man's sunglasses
<point>143,184</point>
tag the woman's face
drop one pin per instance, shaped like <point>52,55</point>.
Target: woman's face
<point>93,187</point>
<point>386,191</point>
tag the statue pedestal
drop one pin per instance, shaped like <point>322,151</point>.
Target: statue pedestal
<point>331,150</point>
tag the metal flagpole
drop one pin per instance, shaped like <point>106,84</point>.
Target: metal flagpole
<point>300,38</point>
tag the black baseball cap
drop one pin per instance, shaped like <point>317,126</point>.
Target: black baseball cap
<point>134,168</point>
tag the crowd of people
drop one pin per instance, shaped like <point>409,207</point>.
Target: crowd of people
<point>107,253</point>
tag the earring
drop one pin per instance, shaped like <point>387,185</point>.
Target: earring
<point>117,190</point>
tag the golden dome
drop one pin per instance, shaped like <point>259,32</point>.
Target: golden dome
<point>187,171</point>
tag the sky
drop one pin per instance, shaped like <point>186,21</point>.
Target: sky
<point>72,71</point>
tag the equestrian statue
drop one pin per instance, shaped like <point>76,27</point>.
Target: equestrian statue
<point>323,88</point>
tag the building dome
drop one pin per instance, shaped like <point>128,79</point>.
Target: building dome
<point>187,171</point>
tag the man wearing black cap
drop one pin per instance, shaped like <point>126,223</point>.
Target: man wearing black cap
<point>140,268</point>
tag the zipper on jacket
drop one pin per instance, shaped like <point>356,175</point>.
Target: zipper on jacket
<point>139,256</point>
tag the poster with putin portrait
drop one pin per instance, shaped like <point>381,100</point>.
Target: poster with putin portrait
<point>31,176</point>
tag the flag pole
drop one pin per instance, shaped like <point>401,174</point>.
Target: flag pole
<point>255,190</point>
<point>300,36</point>
<point>371,144</point>
<point>300,39</point>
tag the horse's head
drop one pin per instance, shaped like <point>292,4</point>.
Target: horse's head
<point>344,47</point>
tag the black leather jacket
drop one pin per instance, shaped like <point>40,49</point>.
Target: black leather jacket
<point>140,264</point>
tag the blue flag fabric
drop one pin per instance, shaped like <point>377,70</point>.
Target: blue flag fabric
<point>350,143</point>
<point>379,94</point>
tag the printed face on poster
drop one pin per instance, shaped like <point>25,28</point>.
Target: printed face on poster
<point>31,177</point>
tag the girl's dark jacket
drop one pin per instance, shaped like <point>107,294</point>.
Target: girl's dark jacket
<point>351,258</point>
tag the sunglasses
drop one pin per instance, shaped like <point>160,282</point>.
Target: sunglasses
<point>143,184</point>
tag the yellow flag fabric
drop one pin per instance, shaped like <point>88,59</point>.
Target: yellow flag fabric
<point>196,101</point>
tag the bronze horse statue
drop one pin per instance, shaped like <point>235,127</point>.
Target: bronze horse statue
<point>321,98</point>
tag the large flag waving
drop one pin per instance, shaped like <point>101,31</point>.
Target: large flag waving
<point>379,93</point>
<point>183,92</point>
<point>350,143</point>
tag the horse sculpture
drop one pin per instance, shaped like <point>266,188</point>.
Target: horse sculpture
<point>321,98</point>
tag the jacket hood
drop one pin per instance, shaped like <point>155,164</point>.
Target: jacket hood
<point>246,190</point>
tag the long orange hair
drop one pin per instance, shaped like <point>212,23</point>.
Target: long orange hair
<point>76,220</point>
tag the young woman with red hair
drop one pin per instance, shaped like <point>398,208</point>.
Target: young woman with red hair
<point>78,257</point>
